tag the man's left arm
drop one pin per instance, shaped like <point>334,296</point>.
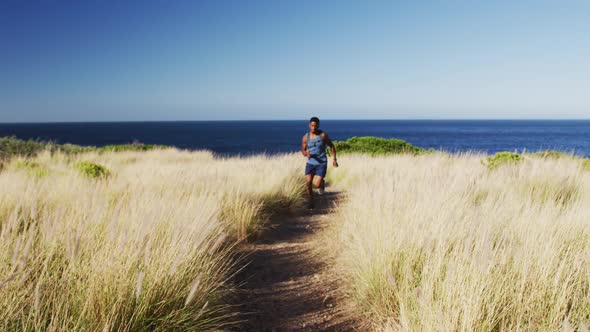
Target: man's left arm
<point>329,143</point>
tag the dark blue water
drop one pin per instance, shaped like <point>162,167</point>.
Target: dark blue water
<point>246,137</point>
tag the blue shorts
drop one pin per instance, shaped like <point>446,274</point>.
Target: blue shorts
<point>319,170</point>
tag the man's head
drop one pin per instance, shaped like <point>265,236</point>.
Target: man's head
<point>314,124</point>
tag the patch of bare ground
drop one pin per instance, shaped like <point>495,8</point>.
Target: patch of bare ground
<point>290,284</point>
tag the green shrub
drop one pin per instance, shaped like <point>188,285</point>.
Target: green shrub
<point>503,158</point>
<point>26,164</point>
<point>550,154</point>
<point>130,147</point>
<point>376,146</point>
<point>92,170</point>
<point>69,148</point>
<point>12,146</point>
<point>32,167</point>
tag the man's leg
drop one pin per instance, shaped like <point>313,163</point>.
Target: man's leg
<point>308,183</point>
<point>319,182</point>
<point>309,173</point>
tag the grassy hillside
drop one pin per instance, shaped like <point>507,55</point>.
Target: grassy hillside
<point>130,240</point>
<point>442,242</point>
<point>142,238</point>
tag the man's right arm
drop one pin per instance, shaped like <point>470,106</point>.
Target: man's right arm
<point>304,146</point>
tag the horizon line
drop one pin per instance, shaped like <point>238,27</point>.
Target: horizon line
<point>285,120</point>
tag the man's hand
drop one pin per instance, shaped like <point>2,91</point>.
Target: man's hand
<point>335,163</point>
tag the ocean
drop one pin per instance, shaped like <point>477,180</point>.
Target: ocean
<point>271,137</point>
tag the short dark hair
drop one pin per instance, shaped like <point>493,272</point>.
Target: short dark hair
<point>315,119</point>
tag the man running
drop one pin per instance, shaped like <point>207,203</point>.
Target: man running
<point>313,146</point>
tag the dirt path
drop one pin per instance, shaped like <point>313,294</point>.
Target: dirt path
<point>289,284</point>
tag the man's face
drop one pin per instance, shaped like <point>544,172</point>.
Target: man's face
<point>313,127</point>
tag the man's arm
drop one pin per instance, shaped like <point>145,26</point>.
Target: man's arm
<point>304,150</point>
<point>329,143</point>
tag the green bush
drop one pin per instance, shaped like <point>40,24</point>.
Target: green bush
<point>130,147</point>
<point>26,164</point>
<point>12,147</point>
<point>32,167</point>
<point>550,154</point>
<point>376,146</point>
<point>92,170</point>
<point>503,158</point>
<point>69,148</point>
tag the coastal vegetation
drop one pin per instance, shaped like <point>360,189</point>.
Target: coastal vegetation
<point>141,237</point>
<point>551,154</point>
<point>437,242</point>
<point>503,158</point>
<point>131,241</point>
<point>376,146</point>
<point>12,146</point>
<point>92,170</point>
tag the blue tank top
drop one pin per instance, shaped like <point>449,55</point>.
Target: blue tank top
<point>317,149</point>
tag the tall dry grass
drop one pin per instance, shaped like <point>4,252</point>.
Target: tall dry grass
<point>441,243</point>
<point>148,247</point>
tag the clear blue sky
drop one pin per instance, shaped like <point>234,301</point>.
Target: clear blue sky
<point>202,60</point>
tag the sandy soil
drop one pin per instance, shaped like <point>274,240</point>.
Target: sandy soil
<point>289,284</point>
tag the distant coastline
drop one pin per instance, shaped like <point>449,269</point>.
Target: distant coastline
<point>291,120</point>
<point>279,136</point>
